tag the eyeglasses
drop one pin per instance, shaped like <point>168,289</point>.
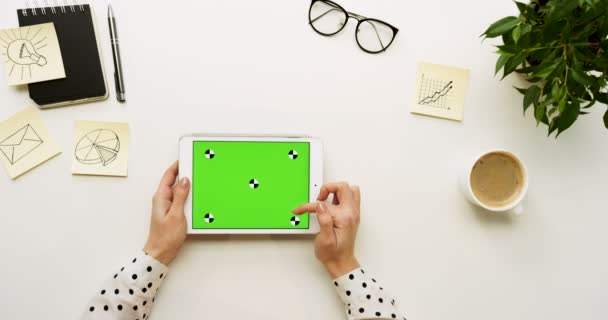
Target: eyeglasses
<point>328,18</point>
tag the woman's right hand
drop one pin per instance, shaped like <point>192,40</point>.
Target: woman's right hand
<point>339,221</point>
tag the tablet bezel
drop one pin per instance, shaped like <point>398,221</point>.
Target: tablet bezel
<point>315,182</point>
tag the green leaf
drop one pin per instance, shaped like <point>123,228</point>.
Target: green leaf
<point>602,62</point>
<point>525,28</point>
<point>531,14</point>
<point>555,91</point>
<point>581,77</point>
<point>561,9</point>
<point>516,33</point>
<point>508,48</point>
<point>512,63</point>
<point>551,31</point>
<point>540,111</point>
<point>587,96</point>
<point>552,111</point>
<point>568,117</point>
<point>545,72</point>
<point>606,119</point>
<point>584,54</point>
<point>532,69</point>
<point>500,63</point>
<point>552,127</point>
<point>521,7</point>
<point>504,53</point>
<point>561,105</point>
<point>557,73</point>
<point>566,31</point>
<point>521,90</point>
<point>601,97</point>
<point>530,96</point>
<point>501,26</point>
<point>589,104</point>
<point>534,80</point>
<point>507,38</point>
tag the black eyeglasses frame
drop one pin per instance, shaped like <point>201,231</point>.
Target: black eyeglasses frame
<point>349,15</point>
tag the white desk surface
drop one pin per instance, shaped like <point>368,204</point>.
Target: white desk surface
<point>257,66</point>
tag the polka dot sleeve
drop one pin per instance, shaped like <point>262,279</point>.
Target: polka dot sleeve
<point>365,298</point>
<point>129,293</point>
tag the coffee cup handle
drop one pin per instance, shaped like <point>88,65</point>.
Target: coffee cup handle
<point>518,210</point>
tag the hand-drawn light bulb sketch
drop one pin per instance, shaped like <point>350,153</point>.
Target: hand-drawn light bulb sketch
<point>31,54</point>
<point>23,52</point>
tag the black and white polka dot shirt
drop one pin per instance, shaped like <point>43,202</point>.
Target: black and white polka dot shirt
<point>365,298</point>
<point>130,293</point>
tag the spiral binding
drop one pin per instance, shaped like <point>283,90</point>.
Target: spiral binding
<point>54,7</point>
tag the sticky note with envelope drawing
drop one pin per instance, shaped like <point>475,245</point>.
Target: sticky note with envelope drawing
<point>25,142</point>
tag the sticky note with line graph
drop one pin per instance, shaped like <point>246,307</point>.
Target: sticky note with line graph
<point>440,91</point>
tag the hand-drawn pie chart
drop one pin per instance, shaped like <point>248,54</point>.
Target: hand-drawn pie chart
<point>98,146</point>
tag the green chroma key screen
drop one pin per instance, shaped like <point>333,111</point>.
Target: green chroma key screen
<point>249,185</point>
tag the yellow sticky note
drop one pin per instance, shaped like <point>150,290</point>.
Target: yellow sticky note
<point>100,148</point>
<point>31,54</point>
<point>440,91</point>
<point>25,142</point>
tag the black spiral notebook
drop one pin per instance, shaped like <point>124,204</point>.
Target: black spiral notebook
<point>85,79</point>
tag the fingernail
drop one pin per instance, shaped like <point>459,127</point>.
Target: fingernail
<point>184,182</point>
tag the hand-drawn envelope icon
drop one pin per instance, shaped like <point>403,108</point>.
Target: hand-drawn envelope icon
<point>20,144</point>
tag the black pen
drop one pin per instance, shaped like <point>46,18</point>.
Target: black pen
<point>118,78</point>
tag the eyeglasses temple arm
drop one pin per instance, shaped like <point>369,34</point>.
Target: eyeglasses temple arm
<point>328,11</point>
<point>378,35</point>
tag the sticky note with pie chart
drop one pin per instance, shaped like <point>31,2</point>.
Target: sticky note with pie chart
<point>100,148</point>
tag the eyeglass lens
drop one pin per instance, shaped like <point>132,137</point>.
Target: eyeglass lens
<point>373,35</point>
<point>326,18</point>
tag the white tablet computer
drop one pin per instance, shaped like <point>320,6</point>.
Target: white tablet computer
<point>250,184</point>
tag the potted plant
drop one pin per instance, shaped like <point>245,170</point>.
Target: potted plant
<point>561,47</point>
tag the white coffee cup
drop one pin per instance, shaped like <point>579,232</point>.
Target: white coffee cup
<point>514,205</point>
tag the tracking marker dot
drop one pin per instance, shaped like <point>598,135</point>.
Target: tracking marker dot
<point>254,184</point>
<point>292,154</point>
<point>209,154</point>
<point>209,217</point>
<point>295,221</point>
